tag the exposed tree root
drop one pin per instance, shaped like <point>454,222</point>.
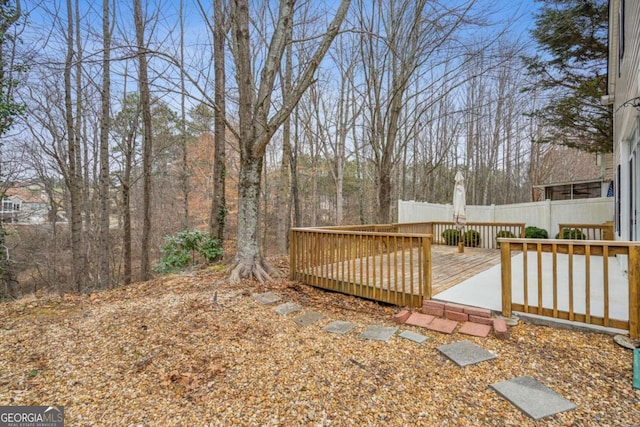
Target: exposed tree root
<point>252,268</point>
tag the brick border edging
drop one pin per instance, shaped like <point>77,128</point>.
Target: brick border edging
<point>459,313</point>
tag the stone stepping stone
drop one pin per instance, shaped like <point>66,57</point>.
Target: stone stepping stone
<point>266,298</point>
<point>378,333</point>
<point>340,327</point>
<point>412,336</point>
<point>465,353</point>
<point>287,308</point>
<point>308,318</point>
<point>532,397</point>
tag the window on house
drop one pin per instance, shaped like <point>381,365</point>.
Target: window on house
<point>583,190</point>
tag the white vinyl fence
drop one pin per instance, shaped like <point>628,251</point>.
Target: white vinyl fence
<point>547,214</point>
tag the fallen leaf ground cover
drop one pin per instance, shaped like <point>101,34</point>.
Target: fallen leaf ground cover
<point>163,353</point>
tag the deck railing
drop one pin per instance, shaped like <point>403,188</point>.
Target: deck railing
<point>585,277</point>
<point>586,231</point>
<point>487,231</point>
<point>385,266</point>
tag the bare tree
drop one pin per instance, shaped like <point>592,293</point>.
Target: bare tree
<point>218,204</point>
<point>183,127</point>
<point>257,124</point>
<point>284,185</point>
<point>105,125</point>
<point>73,177</point>
<point>9,38</point>
<point>401,40</point>
<point>147,145</point>
<point>126,126</point>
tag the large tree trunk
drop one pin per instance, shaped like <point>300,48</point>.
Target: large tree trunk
<point>129,150</point>
<point>218,203</point>
<point>283,200</point>
<point>73,176</point>
<point>257,125</point>
<point>184,175</point>
<point>147,150</point>
<point>104,149</point>
<point>248,258</point>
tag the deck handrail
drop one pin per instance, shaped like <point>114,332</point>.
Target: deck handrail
<point>587,231</point>
<point>587,248</point>
<point>487,231</point>
<point>385,266</point>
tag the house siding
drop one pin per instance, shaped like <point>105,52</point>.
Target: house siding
<point>624,85</point>
<point>628,78</point>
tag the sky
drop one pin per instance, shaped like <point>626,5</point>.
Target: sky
<point>518,12</point>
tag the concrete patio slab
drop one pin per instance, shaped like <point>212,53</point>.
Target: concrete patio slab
<point>484,290</point>
<point>340,327</point>
<point>266,298</point>
<point>378,333</point>
<point>413,336</point>
<point>287,308</point>
<point>465,353</point>
<point>532,397</point>
<point>308,318</point>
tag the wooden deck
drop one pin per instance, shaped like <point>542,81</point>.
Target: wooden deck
<point>448,267</point>
<point>394,272</point>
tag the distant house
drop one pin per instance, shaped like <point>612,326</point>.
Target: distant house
<point>573,190</point>
<point>623,93</point>
<point>25,204</point>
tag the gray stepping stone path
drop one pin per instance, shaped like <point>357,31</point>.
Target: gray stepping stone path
<point>465,353</point>
<point>308,318</point>
<point>266,298</point>
<point>378,333</point>
<point>532,397</point>
<point>413,336</point>
<point>340,327</point>
<point>287,308</point>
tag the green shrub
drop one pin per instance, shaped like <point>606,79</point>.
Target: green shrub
<point>451,236</point>
<point>471,239</point>
<point>532,232</point>
<point>504,233</point>
<point>182,250</point>
<point>571,234</point>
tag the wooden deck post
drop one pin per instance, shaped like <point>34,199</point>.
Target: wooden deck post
<point>426,245</point>
<point>292,255</point>
<point>505,261</point>
<point>634,291</point>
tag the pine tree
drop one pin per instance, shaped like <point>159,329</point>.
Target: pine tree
<point>572,68</point>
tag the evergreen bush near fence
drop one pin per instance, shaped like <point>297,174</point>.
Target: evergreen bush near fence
<point>504,233</point>
<point>571,234</point>
<point>451,236</point>
<point>471,239</point>
<point>532,232</point>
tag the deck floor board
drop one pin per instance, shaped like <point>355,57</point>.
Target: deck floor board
<point>450,267</point>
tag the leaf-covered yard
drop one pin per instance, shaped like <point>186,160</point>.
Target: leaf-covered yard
<point>163,353</point>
